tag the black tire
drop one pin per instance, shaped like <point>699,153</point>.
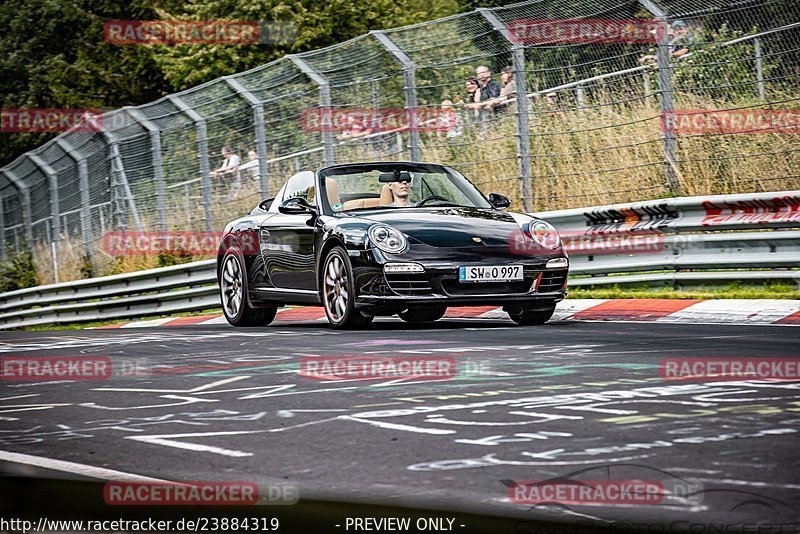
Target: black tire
<point>338,292</point>
<point>233,294</point>
<point>532,317</point>
<point>423,315</point>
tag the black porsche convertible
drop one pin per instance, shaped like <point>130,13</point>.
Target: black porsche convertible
<point>375,239</point>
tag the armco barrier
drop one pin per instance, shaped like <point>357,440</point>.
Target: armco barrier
<point>670,242</point>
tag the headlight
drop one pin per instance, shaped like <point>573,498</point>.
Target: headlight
<point>544,234</point>
<point>387,239</point>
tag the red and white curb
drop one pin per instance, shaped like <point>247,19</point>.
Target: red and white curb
<point>723,311</point>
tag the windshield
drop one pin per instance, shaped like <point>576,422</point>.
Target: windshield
<point>399,187</point>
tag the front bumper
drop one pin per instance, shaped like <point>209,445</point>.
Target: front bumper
<point>439,285</point>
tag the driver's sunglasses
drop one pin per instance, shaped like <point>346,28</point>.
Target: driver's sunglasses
<point>405,181</point>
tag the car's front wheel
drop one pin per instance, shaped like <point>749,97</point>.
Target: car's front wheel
<point>233,293</point>
<point>423,315</point>
<point>338,292</point>
<point>528,317</point>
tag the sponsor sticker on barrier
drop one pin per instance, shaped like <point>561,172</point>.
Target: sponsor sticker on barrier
<point>719,369</point>
<point>584,31</point>
<point>51,120</point>
<point>377,368</point>
<point>775,210</point>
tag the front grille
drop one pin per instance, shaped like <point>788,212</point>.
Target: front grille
<point>409,283</point>
<point>454,287</point>
<point>552,281</point>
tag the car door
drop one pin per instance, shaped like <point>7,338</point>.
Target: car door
<point>286,240</point>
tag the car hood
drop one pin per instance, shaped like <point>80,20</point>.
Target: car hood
<point>452,227</point>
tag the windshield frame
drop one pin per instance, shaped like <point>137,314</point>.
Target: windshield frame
<point>354,168</point>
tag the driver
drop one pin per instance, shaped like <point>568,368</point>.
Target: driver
<point>400,192</point>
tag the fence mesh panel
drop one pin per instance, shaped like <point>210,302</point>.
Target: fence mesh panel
<point>623,100</point>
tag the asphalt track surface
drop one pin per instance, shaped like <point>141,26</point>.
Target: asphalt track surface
<point>577,400</point>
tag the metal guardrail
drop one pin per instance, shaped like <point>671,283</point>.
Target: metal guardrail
<point>671,242</point>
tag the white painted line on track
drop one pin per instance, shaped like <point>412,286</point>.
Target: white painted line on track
<point>74,468</point>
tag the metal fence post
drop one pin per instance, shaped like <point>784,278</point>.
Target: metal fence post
<point>258,124</point>
<point>666,98</point>
<point>762,95</point>
<point>580,95</point>
<point>83,184</point>
<point>521,112</point>
<point>410,90</point>
<point>324,104</point>
<point>202,149</point>
<point>55,208</point>
<point>25,194</point>
<point>158,166</point>
<point>118,171</point>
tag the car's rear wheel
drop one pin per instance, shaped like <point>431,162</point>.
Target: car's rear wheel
<point>423,315</point>
<point>233,293</point>
<point>338,292</point>
<point>528,317</point>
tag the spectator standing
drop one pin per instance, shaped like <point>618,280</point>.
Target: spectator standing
<point>489,89</point>
<point>230,162</point>
<point>678,44</point>
<point>507,99</point>
<point>473,97</point>
<point>449,121</point>
<point>251,169</point>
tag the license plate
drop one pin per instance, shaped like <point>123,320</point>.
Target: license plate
<point>490,273</point>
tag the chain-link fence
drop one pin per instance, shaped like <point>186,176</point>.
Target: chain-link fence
<point>607,101</point>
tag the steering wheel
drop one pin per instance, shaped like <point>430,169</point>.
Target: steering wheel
<point>430,198</point>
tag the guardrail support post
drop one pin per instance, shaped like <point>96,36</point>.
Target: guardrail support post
<point>25,202</point>
<point>258,124</point>
<point>202,149</point>
<point>410,90</point>
<point>521,113</point>
<point>158,166</point>
<point>55,207</point>
<point>324,104</point>
<point>83,184</point>
<point>762,95</point>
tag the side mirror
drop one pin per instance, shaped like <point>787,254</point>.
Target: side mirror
<point>296,205</point>
<point>499,201</point>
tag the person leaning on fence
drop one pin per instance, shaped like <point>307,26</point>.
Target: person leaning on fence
<point>488,89</point>
<point>250,169</point>
<point>507,99</point>
<point>473,98</point>
<point>230,162</point>
<point>678,44</point>
<point>449,121</point>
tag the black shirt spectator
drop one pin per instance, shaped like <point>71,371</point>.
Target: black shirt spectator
<point>488,87</point>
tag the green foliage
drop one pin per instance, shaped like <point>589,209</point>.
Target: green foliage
<point>52,55</point>
<point>18,272</point>
<point>723,73</point>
